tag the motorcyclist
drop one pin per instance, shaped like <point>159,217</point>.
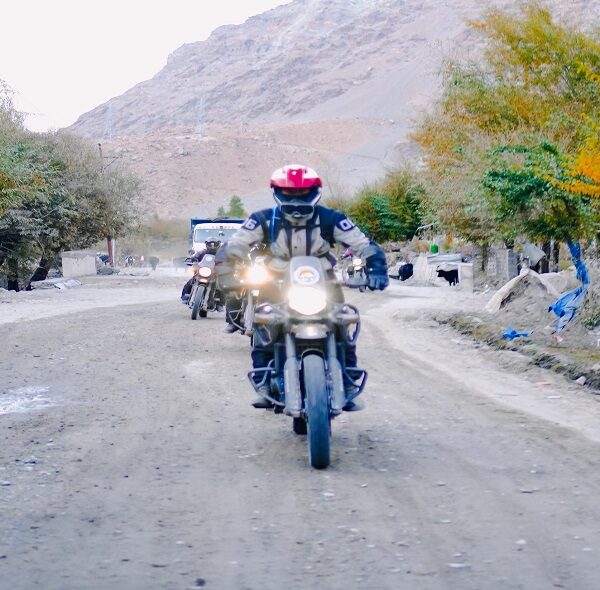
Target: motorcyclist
<point>298,226</point>
<point>212,245</point>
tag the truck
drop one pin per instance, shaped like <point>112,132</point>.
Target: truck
<point>202,229</point>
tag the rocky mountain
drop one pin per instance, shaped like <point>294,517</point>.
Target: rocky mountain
<point>333,83</point>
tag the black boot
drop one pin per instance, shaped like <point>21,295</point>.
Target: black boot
<point>353,405</point>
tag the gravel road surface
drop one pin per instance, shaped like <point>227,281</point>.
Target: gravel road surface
<point>131,459</point>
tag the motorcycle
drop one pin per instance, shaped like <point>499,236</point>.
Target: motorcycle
<point>309,333</point>
<point>353,273</point>
<point>251,278</point>
<point>203,294</point>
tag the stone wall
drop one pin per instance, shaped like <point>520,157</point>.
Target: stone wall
<point>501,263</point>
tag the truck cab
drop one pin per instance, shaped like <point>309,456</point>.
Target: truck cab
<point>202,229</point>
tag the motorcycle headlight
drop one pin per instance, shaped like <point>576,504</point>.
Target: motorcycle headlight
<point>204,271</point>
<point>357,261</point>
<point>257,274</point>
<point>307,300</point>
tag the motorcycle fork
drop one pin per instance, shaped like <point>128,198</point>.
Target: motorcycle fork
<point>338,395</point>
<point>190,301</point>
<point>291,379</point>
<point>249,321</point>
<point>209,298</point>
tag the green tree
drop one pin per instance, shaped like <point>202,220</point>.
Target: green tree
<point>11,124</point>
<point>388,210</point>
<point>235,210</point>
<point>528,202</point>
<point>54,196</point>
<point>536,87</point>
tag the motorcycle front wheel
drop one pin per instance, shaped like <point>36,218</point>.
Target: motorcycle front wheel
<point>198,298</point>
<point>317,410</point>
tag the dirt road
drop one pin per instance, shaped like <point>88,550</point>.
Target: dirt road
<point>141,465</point>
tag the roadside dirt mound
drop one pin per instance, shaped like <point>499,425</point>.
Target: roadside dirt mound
<point>523,304</point>
<point>526,298</point>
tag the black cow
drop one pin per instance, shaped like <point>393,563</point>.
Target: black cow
<point>405,271</point>
<point>450,275</point>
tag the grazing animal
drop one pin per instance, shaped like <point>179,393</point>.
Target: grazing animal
<point>405,271</point>
<point>450,275</point>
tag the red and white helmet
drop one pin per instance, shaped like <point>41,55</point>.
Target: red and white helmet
<point>297,190</point>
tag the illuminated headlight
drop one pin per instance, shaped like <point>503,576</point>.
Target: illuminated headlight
<point>257,274</point>
<point>307,300</point>
<point>204,271</point>
<point>357,261</point>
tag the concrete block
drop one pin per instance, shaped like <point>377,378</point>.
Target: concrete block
<point>466,278</point>
<point>78,263</point>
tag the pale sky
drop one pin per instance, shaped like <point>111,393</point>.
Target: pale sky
<point>65,57</point>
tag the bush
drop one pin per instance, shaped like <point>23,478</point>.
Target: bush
<point>386,211</point>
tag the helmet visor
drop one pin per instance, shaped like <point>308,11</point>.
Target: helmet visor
<point>297,209</point>
<point>297,202</point>
<point>297,195</point>
<point>212,244</point>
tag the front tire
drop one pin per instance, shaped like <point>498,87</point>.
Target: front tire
<point>198,302</point>
<point>317,410</point>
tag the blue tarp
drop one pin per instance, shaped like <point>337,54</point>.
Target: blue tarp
<point>510,334</point>
<point>568,304</point>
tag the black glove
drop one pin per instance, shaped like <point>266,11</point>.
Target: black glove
<point>376,267</point>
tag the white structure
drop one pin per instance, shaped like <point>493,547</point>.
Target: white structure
<point>425,270</point>
<point>78,263</point>
<point>466,279</point>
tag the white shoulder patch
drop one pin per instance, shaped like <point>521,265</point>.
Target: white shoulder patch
<point>345,224</point>
<point>250,224</point>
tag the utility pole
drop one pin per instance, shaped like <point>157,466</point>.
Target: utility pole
<point>101,158</point>
<point>110,242</point>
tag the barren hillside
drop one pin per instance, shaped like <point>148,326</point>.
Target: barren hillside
<point>334,83</point>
